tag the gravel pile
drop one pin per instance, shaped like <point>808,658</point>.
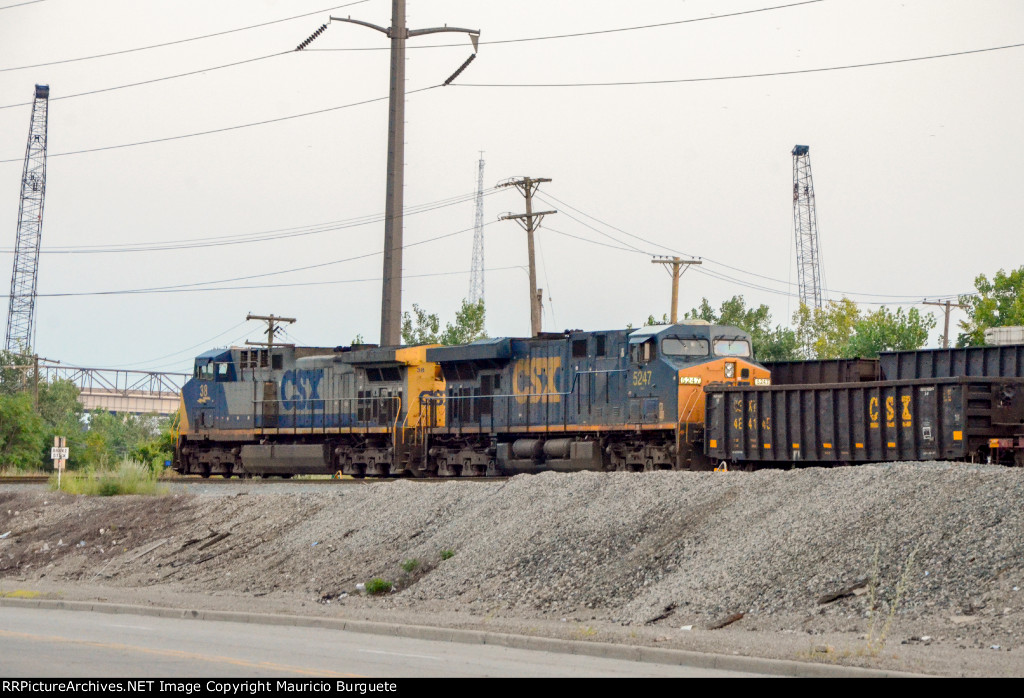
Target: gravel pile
<point>784,548</point>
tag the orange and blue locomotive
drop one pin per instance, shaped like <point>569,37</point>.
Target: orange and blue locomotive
<point>607,400</point>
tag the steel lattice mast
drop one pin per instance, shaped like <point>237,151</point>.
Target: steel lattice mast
<point>21,311</point>
<point>808,257</point>
<point>476,276</point>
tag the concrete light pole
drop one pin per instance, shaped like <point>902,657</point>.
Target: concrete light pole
<point>391,301</point>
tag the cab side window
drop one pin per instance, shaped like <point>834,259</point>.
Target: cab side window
<point>642,353</point>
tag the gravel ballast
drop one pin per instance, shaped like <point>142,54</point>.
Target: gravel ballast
<point>798,557</point>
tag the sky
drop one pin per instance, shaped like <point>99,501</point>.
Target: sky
<point>276,207</point>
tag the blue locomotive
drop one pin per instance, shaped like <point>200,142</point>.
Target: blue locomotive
<point>606,400</point>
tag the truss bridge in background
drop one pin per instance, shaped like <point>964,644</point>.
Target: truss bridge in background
<point>121,391</point>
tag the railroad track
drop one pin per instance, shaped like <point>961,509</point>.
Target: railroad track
<point>38,479</point>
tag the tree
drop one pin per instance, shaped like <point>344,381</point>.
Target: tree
<point>14,372</point>
<point>778,344</point>
<point>884,330</point>
<point>841,331</point>
<point>161,447</point>
<point>469,326</point>
<point>425,330</point>
<point>112,437</point>
<point>22,432</point>
<point>825,333</point>
<point>998,303</point>
<point>61,413</point>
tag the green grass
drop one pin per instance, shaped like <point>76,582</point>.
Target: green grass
<point>447,554</point>
<point>410,564</point>
<point>378,585</point>
<point>10,471</point>
<point>129,477</point>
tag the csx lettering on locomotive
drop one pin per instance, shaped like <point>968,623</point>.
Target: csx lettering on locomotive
<point>300,388</point>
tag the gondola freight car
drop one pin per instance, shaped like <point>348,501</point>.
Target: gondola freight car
<point>954,418</point>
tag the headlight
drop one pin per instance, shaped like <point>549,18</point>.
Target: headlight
<point>730,370</point>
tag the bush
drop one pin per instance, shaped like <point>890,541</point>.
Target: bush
<point>447,553</point>
<point>378,586</point>
<point>410,564</point>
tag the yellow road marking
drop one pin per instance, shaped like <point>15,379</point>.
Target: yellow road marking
<point>179,654</point>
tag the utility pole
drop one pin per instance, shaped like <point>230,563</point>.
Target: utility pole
<point>530,222</point>
<point>271,331</point>
<point>677,264</point>
<point>391,300</point>
<point>948,305</point>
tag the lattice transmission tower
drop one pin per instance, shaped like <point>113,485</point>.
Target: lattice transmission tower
<point>805,221</point>
<point>476,275</point>
<point>22,308</point>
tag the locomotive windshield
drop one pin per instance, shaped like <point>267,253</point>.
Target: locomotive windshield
<point>732,347</point>
<point>674,346</point>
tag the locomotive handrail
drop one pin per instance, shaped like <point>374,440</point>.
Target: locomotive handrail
<point>527,398</point>
<point>259,417</point>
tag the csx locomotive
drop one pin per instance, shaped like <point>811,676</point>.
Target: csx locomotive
<point>610,400</point>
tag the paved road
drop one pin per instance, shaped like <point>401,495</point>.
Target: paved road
<point>43,644</point>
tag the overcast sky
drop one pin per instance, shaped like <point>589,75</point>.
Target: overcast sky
<point>917,165</point>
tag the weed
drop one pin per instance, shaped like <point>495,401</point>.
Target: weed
<point>378,585</point>
<point>10,471</point>
<point>447,554</point>
<point>130,477</point>
<point>410,564</point>
<point>584,632</point>
<point>876,636</point>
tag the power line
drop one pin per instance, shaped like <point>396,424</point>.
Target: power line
<point>226,128</point>
<point>600,31</point>
<point>182,351</point>
<point>741,77</point>
<point>381,48</point>
<point>149,82</point>
<point>179,41</point>
<point>29,2</point>
<point>252,287</point>
<point>714,274</point>
<point>197,285</point>
<point>246,238</point>
<point>520,85</point>
<point>549,229</point>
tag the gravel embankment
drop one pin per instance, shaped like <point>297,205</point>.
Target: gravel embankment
<point>648,550</point>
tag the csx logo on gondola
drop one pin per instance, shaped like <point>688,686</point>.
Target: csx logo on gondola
<point>300,387</point>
